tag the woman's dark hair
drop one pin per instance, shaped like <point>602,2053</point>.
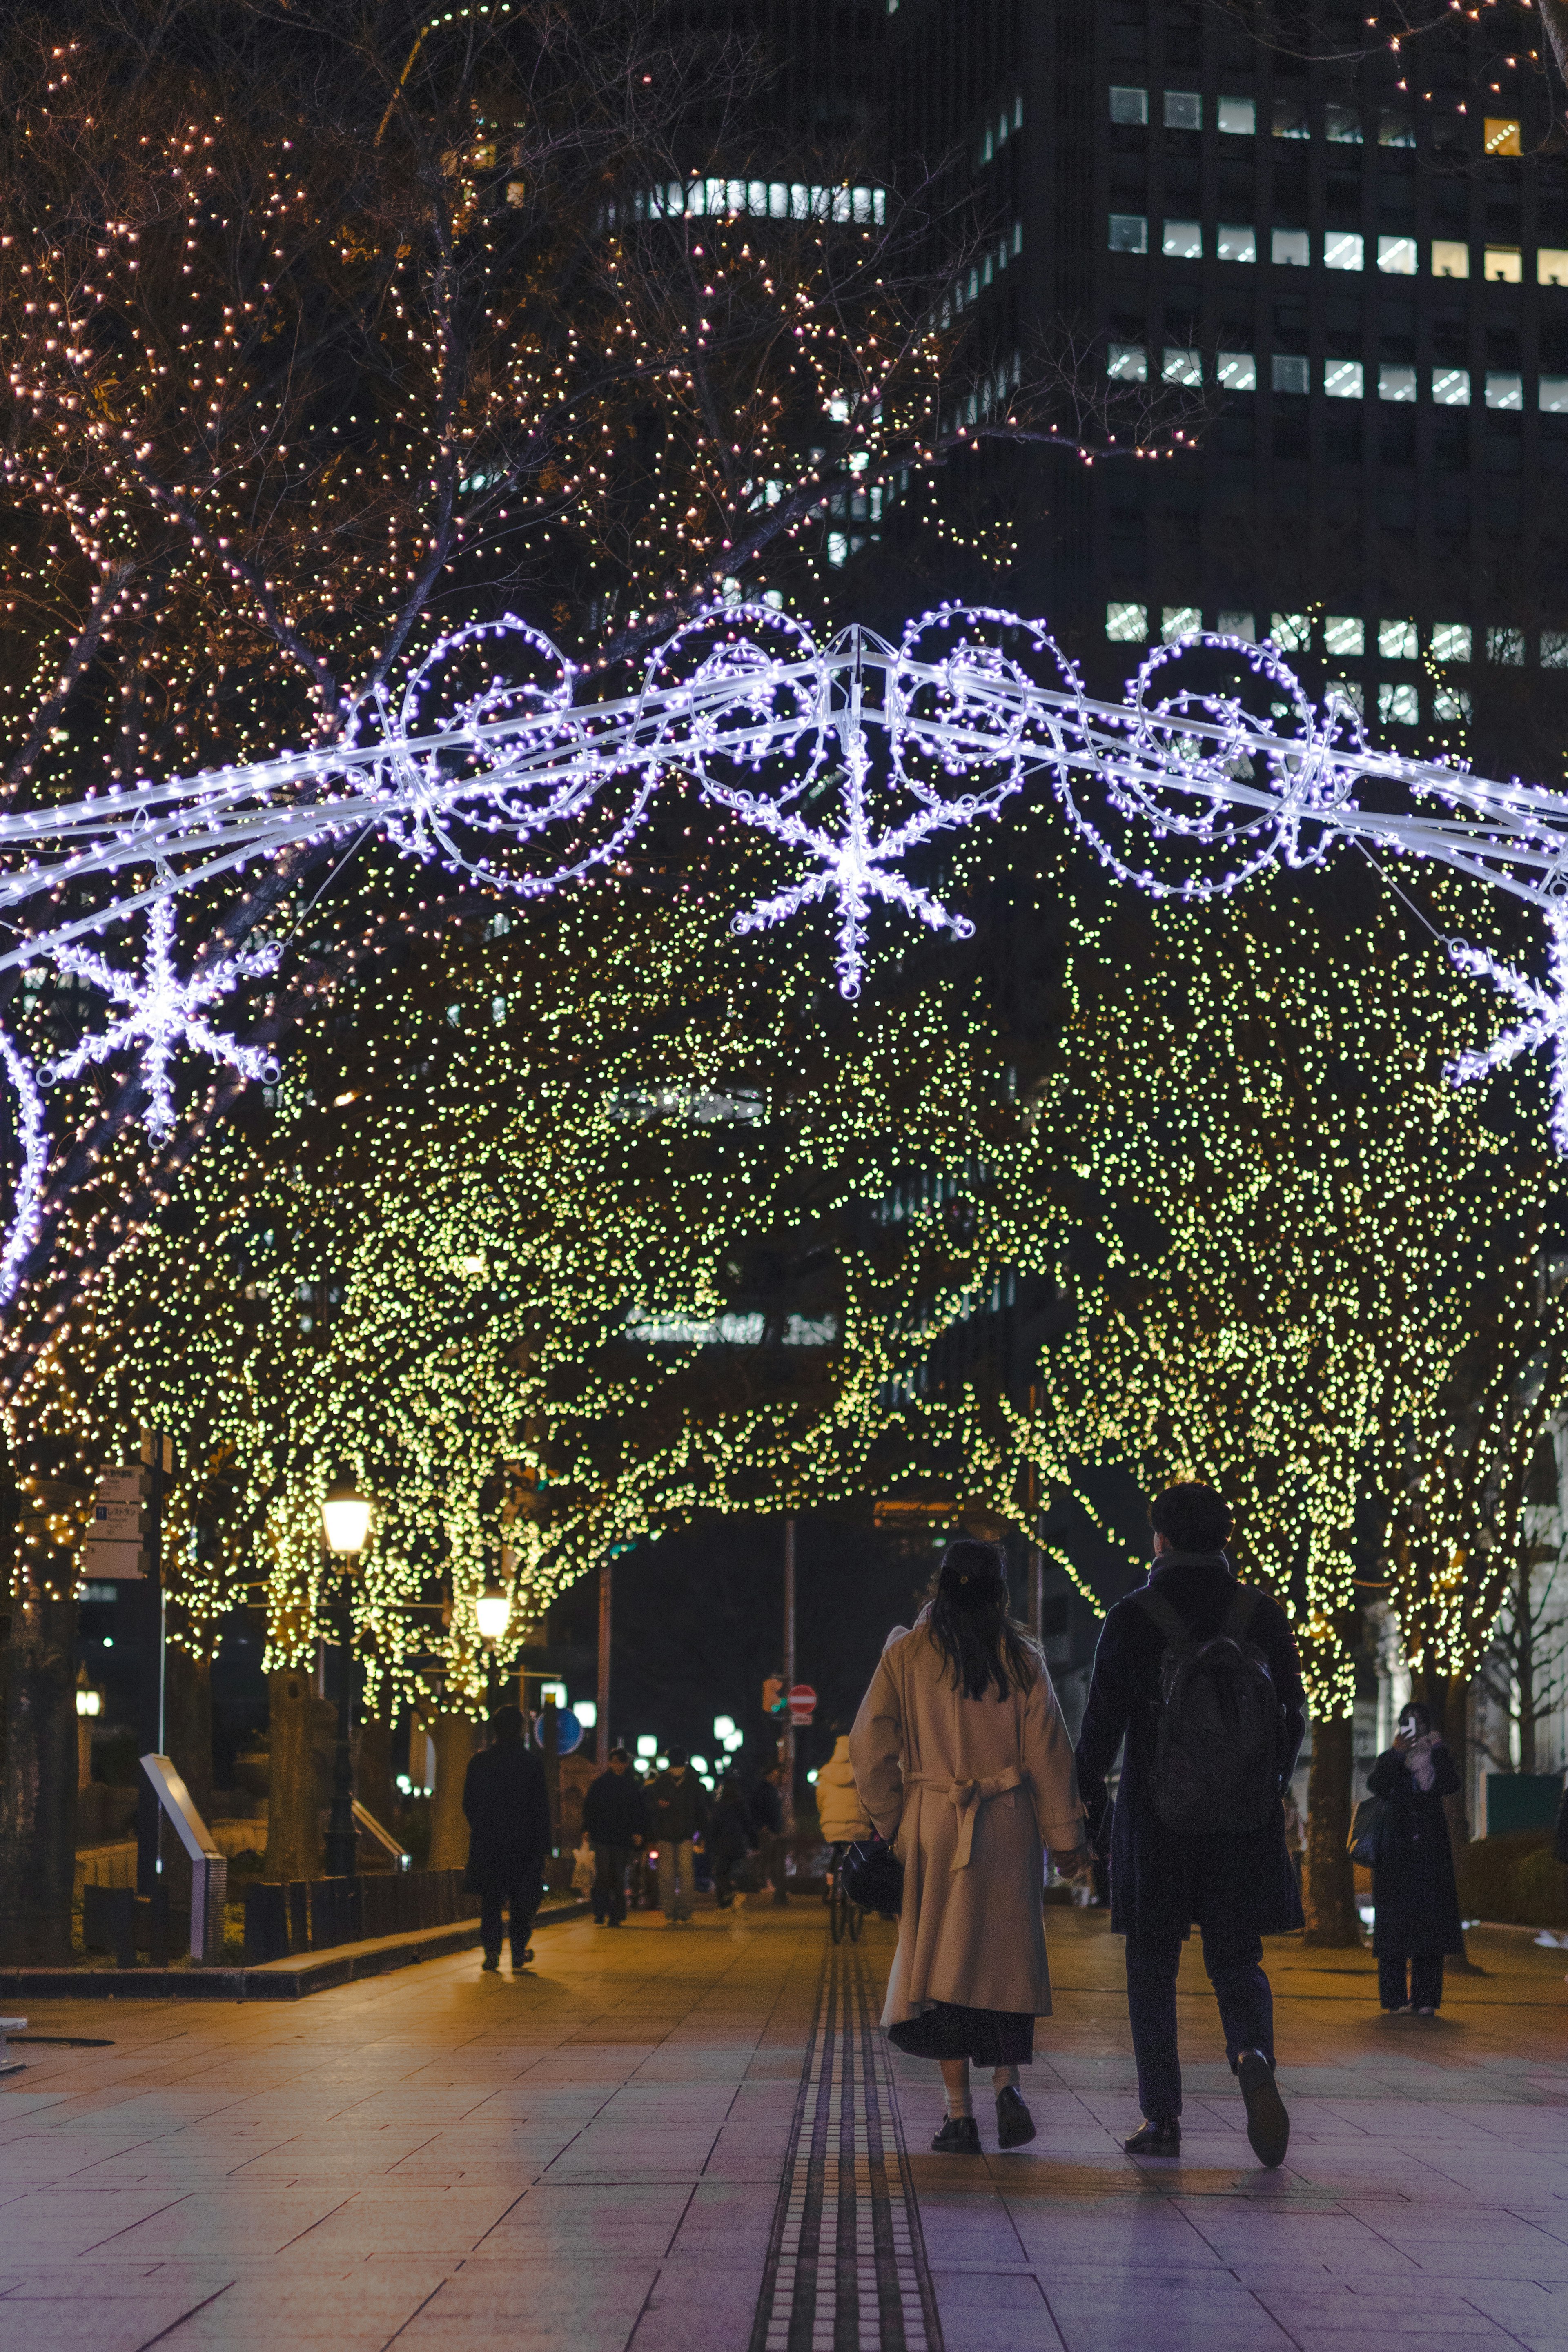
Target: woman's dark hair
<point>970,1622</point>
<point>1190,1517</point>
<point>1423,1716</point>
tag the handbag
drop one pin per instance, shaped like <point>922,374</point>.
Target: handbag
<point>1365,1829</point>
<point>874,1876</point>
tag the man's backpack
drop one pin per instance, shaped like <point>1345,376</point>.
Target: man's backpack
<point>1217,1726</point>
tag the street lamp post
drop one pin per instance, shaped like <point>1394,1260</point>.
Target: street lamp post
<point>492,1614</point>
<point>345,1517</point>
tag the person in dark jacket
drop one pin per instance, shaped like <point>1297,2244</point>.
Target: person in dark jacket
<point>1237,1887</point>
<point>767,1818</point>
<point>1414,1899</point>
<point>614,1815</point>
<point>678,1815</point>
<point>729,1838</point>
<point>507,1807</point>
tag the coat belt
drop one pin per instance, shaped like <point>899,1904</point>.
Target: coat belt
<point>968,1796</point>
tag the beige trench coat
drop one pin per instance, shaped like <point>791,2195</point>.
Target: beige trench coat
<point>971,1791</point>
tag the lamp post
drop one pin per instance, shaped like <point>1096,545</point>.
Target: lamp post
<point>345,1518</point>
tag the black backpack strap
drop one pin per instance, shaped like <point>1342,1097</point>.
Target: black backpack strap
<point>1240,1615</point>
<point>1170,1622</point>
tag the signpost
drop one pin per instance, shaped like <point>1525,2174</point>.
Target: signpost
<point>113,1551</point>
<point>158,1454</point>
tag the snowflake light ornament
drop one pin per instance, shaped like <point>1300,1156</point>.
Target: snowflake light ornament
<point>1545,1005</point>
<point>163,1012</point>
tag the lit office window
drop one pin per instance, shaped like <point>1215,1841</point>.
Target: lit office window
<point>1342,125</point>
<point>1397,256</point>
<point>1398,706</point>
<point>1290,371</point>
<point>1451,702</point>
<point>1128,363</point>
<point>1503,265</point>
<point>1395,130</point>
<point>1243,625</point>
<point>1290,249</point>
<point>1238,371</point>
<point>1181,367</point>
<point>1504,391</point>
<point>1344,378</point>
<point>1554,648</point>
<point>1350,692</point>
<point>1128,232</point>
<point>1507,647</point>
<point>1451,641</point>
<point>1179,622</point>
<point>1396,382</point>
<point>1551,265</point>
<point>1291,632</point>
<point>1183,111</point>
<point>1290,119</point>
<point>1451,387</point>
<point>837,550</point>
<point>1554,395</point>
<point>1238,117</point>
<point>1499,137</point>
<point>1127,624</point>
<point>1183,240</point>
<point>1344,249</point>
<point>1344,633</point>
<point>1129,105</point>
<point>1235,242</point>
<point>1397,640</point>
<point>1451,257</point>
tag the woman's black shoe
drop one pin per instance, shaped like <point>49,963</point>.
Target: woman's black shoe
<point>1268,2124</point>
<point>1015,2123</point>
<point>1155,2140</point>
<point>960,2136</point>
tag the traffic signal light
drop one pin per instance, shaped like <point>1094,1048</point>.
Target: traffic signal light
<point>773,1694</point>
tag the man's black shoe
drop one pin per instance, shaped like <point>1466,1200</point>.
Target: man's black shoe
<point>1268,2124</point>
<point>1155,2140</point>
<point>960,2136</point>
<point>1015,2123</point>
<point>491,1965</point>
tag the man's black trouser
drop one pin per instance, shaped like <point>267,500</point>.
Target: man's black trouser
<point>1245,2009</point>
<point>611,1863</point>
<point>520,1904</point>
<point>1424,1990</point>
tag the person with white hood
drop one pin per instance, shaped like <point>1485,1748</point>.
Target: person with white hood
<point>1414,1898</point>
<point>841,1817</point>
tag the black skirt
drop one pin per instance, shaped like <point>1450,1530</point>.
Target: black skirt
<point>992,2037</point>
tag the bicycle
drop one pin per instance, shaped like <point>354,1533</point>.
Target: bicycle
<point>842,1914</point>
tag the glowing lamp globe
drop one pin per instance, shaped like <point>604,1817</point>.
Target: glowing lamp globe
<point>491,1611</point>
<point>345,1516</point>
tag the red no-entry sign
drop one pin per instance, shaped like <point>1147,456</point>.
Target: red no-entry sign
<point>802,1701</point>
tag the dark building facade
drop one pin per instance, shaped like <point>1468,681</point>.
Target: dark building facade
<point>1361,259</point>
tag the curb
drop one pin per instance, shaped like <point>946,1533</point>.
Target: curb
<point>290,1980</point>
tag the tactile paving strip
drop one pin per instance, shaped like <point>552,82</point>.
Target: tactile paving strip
<point>846,2267</point>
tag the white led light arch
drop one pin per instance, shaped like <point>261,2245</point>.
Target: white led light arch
<point>493,763</point>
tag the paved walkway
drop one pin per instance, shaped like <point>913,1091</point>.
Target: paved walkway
<point>693,2142</point>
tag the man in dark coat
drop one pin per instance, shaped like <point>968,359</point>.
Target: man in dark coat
<point>767,1818</point>
<point>1237,1887</point>
<point>1415,1901</point>
<point>614,1815</point>
<point>677,1814</point>
<point>507,1807</point>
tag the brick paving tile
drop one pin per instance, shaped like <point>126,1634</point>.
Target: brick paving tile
<point>700,2143</point>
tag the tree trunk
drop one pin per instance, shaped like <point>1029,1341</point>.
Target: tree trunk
<point>454,1737</point>
<point>188,1723</point>
<point>373,1768</point>
<point>294,1834</point>
<point>37,1787</point>
<point>1332,1920</point>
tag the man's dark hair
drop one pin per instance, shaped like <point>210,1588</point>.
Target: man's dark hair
<point>678,1756</point>
<point>507,1723</point>
<point>1190,1518</point>
<point>619,1756</point>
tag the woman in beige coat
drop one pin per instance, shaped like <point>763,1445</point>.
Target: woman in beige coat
<point>962,1757</point>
